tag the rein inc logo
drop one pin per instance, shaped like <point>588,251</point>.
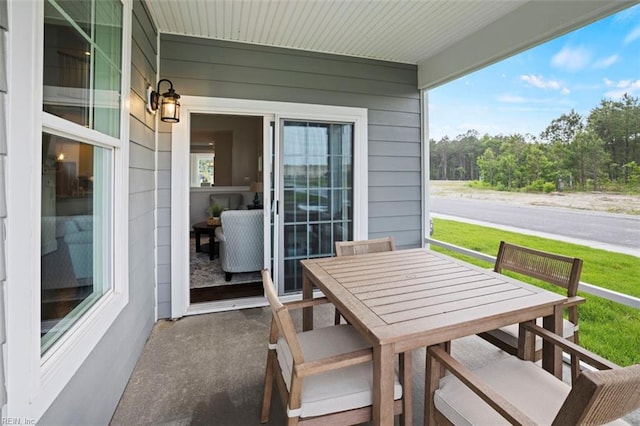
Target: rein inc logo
<point>16,421</point>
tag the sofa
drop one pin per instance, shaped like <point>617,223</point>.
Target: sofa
<point>78,236</point>
<point>241,239</point>
<point>227,201</point>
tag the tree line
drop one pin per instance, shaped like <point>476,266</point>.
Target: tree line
<point>600,151</point>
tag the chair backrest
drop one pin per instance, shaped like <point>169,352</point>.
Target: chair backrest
<point>553,268</point>
<point>599,397</point>
<point>350,248</point>
<point>243,230</point>
<point>282,319</point>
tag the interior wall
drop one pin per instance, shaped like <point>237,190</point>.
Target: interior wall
<point>238,140</point>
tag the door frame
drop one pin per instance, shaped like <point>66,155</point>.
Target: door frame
<point>270,111</point>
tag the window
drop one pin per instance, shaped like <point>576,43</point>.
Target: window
<point>202,169</point>
<point>82,62</point>
<point>75,229</point>
<point>82,90</point>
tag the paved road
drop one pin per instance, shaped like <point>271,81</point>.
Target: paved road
<point>615,232</point>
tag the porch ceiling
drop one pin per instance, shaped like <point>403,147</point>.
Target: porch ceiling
<point>446,39</point>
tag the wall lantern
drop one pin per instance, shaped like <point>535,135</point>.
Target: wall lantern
<point>169,108</point>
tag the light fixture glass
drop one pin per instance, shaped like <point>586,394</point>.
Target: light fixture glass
<point>170,107</point>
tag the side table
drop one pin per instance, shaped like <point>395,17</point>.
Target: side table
<point>203,228</point>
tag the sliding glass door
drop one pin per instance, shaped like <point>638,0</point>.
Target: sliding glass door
<point>315,195</point>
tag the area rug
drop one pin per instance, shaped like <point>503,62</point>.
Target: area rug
<point>208,273</point>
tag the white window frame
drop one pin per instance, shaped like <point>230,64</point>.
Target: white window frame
<point>269,110</point>
<point>35,381</point>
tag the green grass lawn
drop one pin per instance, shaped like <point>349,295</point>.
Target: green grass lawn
<point>607,328</point>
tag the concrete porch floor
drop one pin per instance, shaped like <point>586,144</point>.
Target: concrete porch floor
<point>208,370</point>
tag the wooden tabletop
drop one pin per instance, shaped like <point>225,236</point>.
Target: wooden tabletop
<point>406,299</point>
<point>415,298</point>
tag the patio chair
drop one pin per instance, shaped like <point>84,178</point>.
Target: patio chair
<point>324,375</point>
<point>551,268</point>
<point>350,248</point>
<point>512,390</point>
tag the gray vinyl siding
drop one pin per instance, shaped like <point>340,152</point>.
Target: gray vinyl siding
<point>100,381</point>
<point>3,199</point>
<point>202,67</point>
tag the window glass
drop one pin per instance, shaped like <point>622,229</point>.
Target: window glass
<point>318,192</point>
<point>82,62</point>
<point>202,169</point>
<point>76,228</point>
<point>79,11</point>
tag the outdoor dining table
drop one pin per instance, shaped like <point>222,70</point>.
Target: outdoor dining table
<point>406,299</point>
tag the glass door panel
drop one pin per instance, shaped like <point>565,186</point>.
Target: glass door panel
<point>316,193</point>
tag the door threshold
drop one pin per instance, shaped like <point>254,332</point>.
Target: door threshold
<point>226,305</point>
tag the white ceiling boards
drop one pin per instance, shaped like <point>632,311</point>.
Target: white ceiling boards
<point>445,39</point>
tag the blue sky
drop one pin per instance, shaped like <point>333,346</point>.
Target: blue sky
<point>525,92</point>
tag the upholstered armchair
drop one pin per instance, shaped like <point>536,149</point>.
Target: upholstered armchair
<point>241,241</point>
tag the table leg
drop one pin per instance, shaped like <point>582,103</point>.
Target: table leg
<point>432,382</point>
<point>198,247</point>
<point>383,374</point>
<point>212,238</point>
<point>552,354</point>
<point>307,293</point>
<point>526,343</point>
<point>406,379</point>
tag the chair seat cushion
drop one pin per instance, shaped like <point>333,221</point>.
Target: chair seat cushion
<point>534,391</point>
<point>337,390</point>
<point>509,334</point>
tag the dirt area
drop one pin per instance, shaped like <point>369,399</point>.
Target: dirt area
<point>595,201</point>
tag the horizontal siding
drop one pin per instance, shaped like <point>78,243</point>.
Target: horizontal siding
<point>393,164</point>
<point>395,149</point>
<point>281,78</point>
<point>254,90</point>
<point>393,118</point>
<point>216,51</point>
<point>405,179</point>
<point>384,209</point>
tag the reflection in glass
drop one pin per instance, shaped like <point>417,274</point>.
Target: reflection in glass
<point>318,192</point>
<point>82,63</point>
<point>75,229</point>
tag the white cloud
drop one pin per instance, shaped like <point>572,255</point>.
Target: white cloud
<point>629,87</point>
<point>541,83</point>
<point>633,35</point>
<point>571,59</point>
<point>608,82</point>
<point>606,62</point>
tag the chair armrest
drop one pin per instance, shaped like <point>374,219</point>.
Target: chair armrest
<point>574,301</point>
<point>306,303</point>
<point>333,362</point>
<point>570,347</point>
<point>507,410</point>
